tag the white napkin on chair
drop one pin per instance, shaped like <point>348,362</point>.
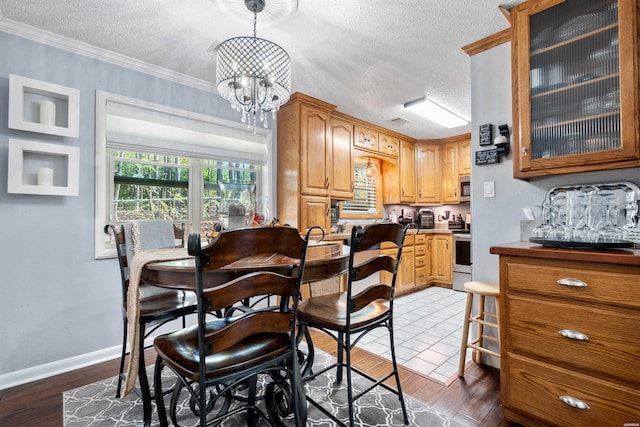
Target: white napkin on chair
<point>138,262</point>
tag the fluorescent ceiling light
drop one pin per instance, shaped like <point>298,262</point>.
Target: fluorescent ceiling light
<point>435,113</point>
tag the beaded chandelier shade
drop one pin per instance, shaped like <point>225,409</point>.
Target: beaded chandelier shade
<point>253,74</point>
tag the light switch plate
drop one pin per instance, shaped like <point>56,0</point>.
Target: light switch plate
<point>489,189</point>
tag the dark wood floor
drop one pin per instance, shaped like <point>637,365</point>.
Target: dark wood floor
<point>472,401</point>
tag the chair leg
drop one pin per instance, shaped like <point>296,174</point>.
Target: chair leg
<point>396,374</point>
<point>157,387</point>
<point>299,400</point>
<point>347,348</point>
<point>465,334</point>
<point>477,355</point>
<point>122,356</point>
<point>341,350</point>
<point>252,417</point>
<point>144,381</point>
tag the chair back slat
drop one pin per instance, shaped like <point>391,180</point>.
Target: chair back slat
<point>258,283</point>
<point>374,265</point>
<point>256,323</point>
<point>234,245</point>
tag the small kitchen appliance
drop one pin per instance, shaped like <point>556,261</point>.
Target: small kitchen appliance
<point>426,218</point>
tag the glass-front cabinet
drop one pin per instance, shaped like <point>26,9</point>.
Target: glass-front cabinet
<point>575,71</point>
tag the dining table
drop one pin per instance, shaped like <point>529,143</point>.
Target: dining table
<point>324,260</point>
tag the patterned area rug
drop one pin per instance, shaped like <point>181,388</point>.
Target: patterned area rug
<point>95,405</point>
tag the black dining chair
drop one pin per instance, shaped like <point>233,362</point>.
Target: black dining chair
<point>157,307</point>
<point>220,355</point>
<point>349,316</point>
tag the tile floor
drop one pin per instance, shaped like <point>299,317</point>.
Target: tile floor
<point>428,332</point>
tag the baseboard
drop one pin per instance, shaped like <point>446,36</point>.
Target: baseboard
<point>36,373</point>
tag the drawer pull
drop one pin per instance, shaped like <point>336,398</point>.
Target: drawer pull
<point>574,335</point>
<point>573,402</point>
<point>572,282</point>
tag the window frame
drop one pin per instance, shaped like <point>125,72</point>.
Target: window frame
<point>377,164</point>
<point>103,246</point>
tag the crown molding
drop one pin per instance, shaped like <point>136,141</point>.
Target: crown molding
<point>85,49</point>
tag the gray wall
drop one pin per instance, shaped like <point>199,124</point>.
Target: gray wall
<point>497,220</point>
<point>57,302</point>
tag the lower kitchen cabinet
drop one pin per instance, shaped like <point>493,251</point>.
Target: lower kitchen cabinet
<point>442,262</point>
<point>421,264</point>
<point>570,341</point>
<point>404,279</point>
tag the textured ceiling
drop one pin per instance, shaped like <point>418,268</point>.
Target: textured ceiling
<point>368,57</point>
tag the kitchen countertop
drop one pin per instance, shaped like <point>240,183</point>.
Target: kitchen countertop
<point>344,236</point>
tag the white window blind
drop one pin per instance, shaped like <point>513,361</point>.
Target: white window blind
<point>364,190</point>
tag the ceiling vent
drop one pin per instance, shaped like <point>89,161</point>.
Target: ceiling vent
<point>399,121</point>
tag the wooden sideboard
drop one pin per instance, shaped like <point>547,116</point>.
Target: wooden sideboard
<point>570,335</point>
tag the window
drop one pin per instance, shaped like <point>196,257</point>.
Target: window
<point>154,162</point>
<point>367,201</point>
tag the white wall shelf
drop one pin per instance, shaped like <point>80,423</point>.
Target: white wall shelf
<point>28,158</point>
<point>42,107</point>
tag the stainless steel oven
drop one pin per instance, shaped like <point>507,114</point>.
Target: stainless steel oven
<point>462,262</point>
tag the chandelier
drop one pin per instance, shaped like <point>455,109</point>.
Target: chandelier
<point>253,74</point>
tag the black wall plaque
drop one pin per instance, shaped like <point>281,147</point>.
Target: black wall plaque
<point>487,157</point>
<point>486,134</point>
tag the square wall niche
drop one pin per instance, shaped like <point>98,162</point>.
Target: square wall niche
<point>42,168</point>
<point>42,107</point>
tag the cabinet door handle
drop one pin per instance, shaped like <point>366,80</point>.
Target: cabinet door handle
<point>353,186</point>
<point>574,402</point>
<point>326,183</point>
<point>568,281</point>
<point>525,151</point>
<point>574,335</point>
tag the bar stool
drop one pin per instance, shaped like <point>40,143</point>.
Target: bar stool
<point>482,289</point>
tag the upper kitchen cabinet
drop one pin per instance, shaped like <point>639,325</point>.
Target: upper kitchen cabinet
<point>399,177</point>
<point>341,162</point>
<point>449,172</point>
<point>428,173</point>
<point>575,86</point>
<point>365,138</point>
<point>407,172</point>
<point>305,163</point>
<point>388,145</point>
<point>464,157</point>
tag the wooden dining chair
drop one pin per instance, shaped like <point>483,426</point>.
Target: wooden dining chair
<point>220,354</point>
<point>157,307</point>
<point>349,316</point>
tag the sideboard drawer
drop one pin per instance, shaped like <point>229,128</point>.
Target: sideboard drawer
<point>536,388</point>
<point>420,250</point>
<point>421,239</point>
<point>596,341</point>
<point>594,282</point>
<point>420,261</point>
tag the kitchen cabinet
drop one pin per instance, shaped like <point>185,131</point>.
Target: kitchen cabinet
<point>365,138</point>
<point>575,80</point>
<point>407,172</point>
<point>464,157</point>
<point>341,163</point>
<point>404,279</point>
<point>449,172</point>
<point>314,210</point>
<point>388,145</point>
<point>305,163</point>
<point>428,182</point>
<point>442,252</point>
<point>421,261</point>
<point>569,335</point>
<point>399,180</point>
